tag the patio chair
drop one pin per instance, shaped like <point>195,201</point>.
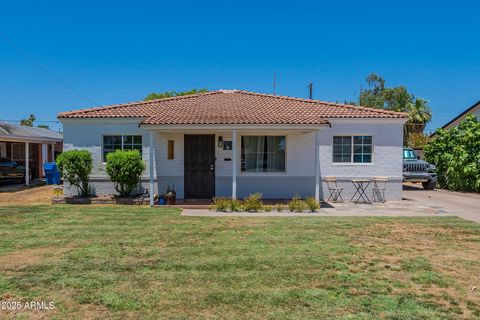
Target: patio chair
<point>335,191</point>
<point>379,187</point>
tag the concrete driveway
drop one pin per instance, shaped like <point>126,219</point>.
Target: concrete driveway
<point>464,205</point>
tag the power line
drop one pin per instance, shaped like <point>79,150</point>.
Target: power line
<point>25,54</point>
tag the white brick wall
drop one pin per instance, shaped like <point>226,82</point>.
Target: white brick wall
<point>300,157</point>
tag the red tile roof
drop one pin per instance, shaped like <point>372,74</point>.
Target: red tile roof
<point>232,107</point>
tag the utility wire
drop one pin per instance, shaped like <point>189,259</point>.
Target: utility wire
<point>25,54</point>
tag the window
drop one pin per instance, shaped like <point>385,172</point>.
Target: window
<point>18,151</point>
<point>342,149</point>
<point>263,153</point>
<point>356,149</point>
<point>170,150</point>
<point>126,142</point>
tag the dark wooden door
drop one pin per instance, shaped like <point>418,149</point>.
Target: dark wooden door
<point>199,166</point>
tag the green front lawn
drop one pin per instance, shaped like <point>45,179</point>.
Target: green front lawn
<point>130,262</point>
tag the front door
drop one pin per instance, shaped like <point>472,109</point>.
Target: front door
<point>199,166</point>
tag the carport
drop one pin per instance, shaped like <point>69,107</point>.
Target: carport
<point>29,146</point>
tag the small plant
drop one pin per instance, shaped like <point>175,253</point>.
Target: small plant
<point>313,205</point>
<point>75,167</point>
<point>253,203</point>
<point>280,207</point>
<point>220,204</point>
<point>124,169</point>
<point>236,205</point>
<point>297,205</point>
<point>267,208</point>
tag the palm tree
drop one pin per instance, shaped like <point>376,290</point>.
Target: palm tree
<point>419,114</point>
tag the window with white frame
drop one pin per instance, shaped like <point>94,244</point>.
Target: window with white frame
<point>121,142</point>
<point>263,154</point>
<point>352,149</point>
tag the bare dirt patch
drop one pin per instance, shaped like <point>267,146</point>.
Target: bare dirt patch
<point>38,195</point>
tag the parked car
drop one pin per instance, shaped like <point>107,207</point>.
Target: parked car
<point>416,170</point>
<point>11,171</point>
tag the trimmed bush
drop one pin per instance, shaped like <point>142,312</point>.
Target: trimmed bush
<point>75,167</point>
<point>236,205</point>
<point>312,204</point>
<point>297,205</point>
<point>253,203</point>
<point>124,167</point>
<point>220,204</point>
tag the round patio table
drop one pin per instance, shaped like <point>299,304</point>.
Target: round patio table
<point>361,186</point>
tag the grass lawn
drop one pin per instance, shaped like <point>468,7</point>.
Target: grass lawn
<point>130,262</point>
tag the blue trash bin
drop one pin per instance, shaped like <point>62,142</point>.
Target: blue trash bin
<point>51,173</point>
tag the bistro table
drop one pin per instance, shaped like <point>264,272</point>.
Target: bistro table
<point>361,186</point>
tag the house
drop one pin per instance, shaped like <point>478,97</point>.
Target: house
<point>230,143</point>
<point>473,110</point>
<point>38,145</point>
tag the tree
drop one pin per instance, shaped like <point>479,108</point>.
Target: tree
<point>169,94</point>
<point>456,154</point>
<point>419,114</point>
<point>29,121</point>
<point>75,167</point>
<point>124,167</point>
<point>396,99</point>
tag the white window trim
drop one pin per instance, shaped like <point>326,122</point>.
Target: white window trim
<point>121,135</point>
<point>351,163</point>
<point>30,153</point>
<point>261,173</point>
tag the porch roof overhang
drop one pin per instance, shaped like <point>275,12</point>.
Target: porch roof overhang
<point>18,138</point>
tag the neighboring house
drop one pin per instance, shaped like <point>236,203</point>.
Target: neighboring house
<point>473,110</point>
<point>39,145</point>
<point>230,143</point>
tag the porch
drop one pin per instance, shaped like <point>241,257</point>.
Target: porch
<point>203,164</point>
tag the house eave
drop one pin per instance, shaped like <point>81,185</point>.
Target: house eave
<point>233,126</point>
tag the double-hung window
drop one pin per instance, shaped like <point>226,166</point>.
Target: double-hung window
<point>121,142</point>
<point>352,149</point>
<point>263,154</point>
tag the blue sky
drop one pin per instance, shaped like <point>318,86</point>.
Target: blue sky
<point>119,51</point>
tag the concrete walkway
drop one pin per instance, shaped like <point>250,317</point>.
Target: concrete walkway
<point>402,208</point>
<point>417,203</point>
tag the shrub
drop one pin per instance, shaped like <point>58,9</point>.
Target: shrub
<point>253,202</point>
<point>75,167</point>
<point>456,154</point>
<point>297,205</point>
<point>312,204</point>
<point>267,208</point>
<point>124,167</point>
<point>236,205</point>
<point>220,204</point>
<point>280,207</point>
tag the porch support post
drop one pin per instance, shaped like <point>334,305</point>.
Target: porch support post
<point>234,164</point>
<point>27,164</point>
<point>151,164</point>
<point>317,165</point>
<point>53,152</point>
